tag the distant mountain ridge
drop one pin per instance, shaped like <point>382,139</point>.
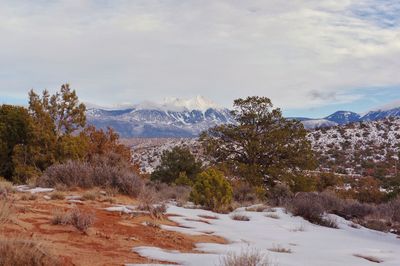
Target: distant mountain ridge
<point>173,118</point>
<point>189,117</point>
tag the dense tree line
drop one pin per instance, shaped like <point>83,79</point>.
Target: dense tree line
<point>51,130</point>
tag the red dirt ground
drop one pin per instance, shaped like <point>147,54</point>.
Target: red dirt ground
<point>108,242</point>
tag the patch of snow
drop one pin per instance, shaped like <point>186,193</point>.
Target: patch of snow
<point>26,189</point>
<point>313,245</point>
<point>121,208</point>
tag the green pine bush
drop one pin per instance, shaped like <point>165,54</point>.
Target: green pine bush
<point>212,190</point>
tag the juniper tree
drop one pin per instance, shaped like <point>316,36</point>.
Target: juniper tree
<point>175,163</point>
<point>262,146</point>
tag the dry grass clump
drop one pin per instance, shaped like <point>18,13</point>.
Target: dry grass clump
<point>244,193</point>
<point>240,217</point>
<point>153,224</point>
<point>369,258</point>
<point>256,208</point>
<point>19,252</point>
<point>149,201</point>
<point>5,211</point>
<point>28,196</point>
<point>280,249</point>
<point>61,218</point>
<point>111,191</point>
<point>57,195</point>
<point>6,188</point>
<point>81,220</point>
<point>180,194</point>
<point>248,257</point>
<point>90,195</point>
<point>75,217</point>
<point>272,215</point>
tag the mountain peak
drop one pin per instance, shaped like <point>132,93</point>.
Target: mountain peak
<point>197,103</point>
<point>343,117</point>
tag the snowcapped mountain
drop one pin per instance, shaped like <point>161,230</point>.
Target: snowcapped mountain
<point>347,117</point>
<point>317,123</point>
<point>173,118</point>
<point>381,114</point>
<point>343,117</point>
<point>176,117</point>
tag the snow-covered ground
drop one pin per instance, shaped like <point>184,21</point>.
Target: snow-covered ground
<point>309,244</point>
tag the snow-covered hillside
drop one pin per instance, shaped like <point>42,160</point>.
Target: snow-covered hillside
<point>353,146</point>
<point>147,152</point>
<point>304,243</point>
<point>348,147</point>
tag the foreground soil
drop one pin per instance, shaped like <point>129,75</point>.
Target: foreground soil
<point>108,242</point>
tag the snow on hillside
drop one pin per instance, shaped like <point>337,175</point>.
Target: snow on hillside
<point>147,151</point>
<point>353,145</point>
<point>317,123</point>
<point>309,244</point>
<point>356,143</point>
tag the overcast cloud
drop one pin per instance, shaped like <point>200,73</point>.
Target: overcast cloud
<point>300,53</point>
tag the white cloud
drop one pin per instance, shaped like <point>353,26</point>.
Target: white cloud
<point>119,51</point>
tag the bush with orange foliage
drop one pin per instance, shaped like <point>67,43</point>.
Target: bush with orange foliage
<point>100,142</point>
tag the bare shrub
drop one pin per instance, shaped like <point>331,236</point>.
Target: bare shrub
<point>239,217</point>
<point>378,225</point>
<point>158,211</point>
<point>103,171</point>
<point>81,220</point>
<point>149,201</point>
<point>280,195</point>
<point>147,198</point>
<point>61,218</point>
<point>70,173</point>
<point>249,257</point>
<point>309,206</point>
<point>166,192</point>
<point>19,252</point>
<point>330,202</point>
<point>354,209</point>
<point>394,209</point>
<point>244,193</point>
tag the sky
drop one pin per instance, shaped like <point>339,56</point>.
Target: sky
<point>311,57</point>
